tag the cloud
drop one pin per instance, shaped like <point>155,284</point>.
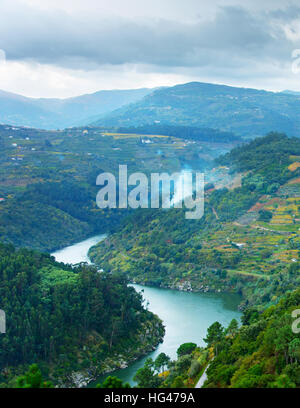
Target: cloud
<point>2,56</point>
<point>85,41</point>
<point>82,40</point>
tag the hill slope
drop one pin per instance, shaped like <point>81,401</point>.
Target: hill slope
<point>263,353</point>
<point>68,319</point>
<point>248,240</point>
<point>48,179</point>
<point>246,112</point>
<point>60,113</point>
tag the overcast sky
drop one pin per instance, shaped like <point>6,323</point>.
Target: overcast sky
<point>61,48</point>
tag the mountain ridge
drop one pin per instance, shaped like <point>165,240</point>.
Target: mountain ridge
<point>53,113</point>
<point>244,111</point>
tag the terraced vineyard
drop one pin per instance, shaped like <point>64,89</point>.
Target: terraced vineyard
<point>48,178</point>
<point>247,242</point>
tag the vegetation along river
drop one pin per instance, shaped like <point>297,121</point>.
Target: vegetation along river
<point>185,315</point>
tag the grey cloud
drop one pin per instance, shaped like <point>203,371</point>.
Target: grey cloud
<point>87,41</point>
<point>287,14</point>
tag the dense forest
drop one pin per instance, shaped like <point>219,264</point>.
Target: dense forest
<point>67,319</point>
<point>52,214</point>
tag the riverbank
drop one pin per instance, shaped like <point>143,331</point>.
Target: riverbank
<point>144,341</point>
<point>179,271</point>
<point>186,317</point>
<point>185,314</point>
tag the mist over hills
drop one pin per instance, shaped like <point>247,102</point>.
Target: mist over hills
<point>51,113</point>
<point>243,111</point>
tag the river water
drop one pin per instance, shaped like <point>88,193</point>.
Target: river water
<point>77,253</point>
<point>186,315</point>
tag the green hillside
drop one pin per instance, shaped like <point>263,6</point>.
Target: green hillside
<point>262,353</point>
<point>245,112</point>
<point>48,178</point>
<point>247,242</point>
<point>75,323</point>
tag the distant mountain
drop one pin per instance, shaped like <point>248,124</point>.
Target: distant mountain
<point>246,112</point>
<point>291,92</point>
<point>60,113</point>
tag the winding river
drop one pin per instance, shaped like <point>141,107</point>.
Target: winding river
<point>185,315</point>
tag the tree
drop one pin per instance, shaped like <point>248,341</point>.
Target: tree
<point>250,315</point>
<point>186,348</point>
<point>178,382</point>
<point>283,381</point>
<point>32,379</point>
<point>161,361</point>
<point>294,349</point>
<point>232,328</point>
<point>146,377</point>
<point>194,368</point>
<point>113,382</point>
<point>215,334</point>
<point>183,363</point>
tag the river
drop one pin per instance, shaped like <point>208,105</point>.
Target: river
<point>77,253</point>
<point>186,315</point>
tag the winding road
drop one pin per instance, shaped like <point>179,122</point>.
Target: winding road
<point>203,378</point>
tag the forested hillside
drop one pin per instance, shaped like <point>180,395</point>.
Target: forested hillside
<point>183,132</point>
<point>247,242</point>
<point>243,111</point>
<point>48,178</point>
<point>263,353</point>
<point>68,320</point>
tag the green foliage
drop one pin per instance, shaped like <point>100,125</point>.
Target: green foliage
<point>32,379</point>
<point>113,382</point>
<point>186,348</point>
<point>264,353</point>
<point>215,334</point>
<point>194,368</point>
<point>146,377</point>
<point>250,315</point>
<point>49,180</point>
<point>162,248</point>
<point>161,362</point>
<point>232,328</point>
<point>66,318</point>
<point>265,216</point>
<point>268,157</point>
<point>246,112</point>
<point>183,362</point>
<point>178,382</point>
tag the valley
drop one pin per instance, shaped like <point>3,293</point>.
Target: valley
<point>48,178</point>
<point>172,306</point>
<point>150,201</point>
<point>247,242</point>
<point>238,264</point>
